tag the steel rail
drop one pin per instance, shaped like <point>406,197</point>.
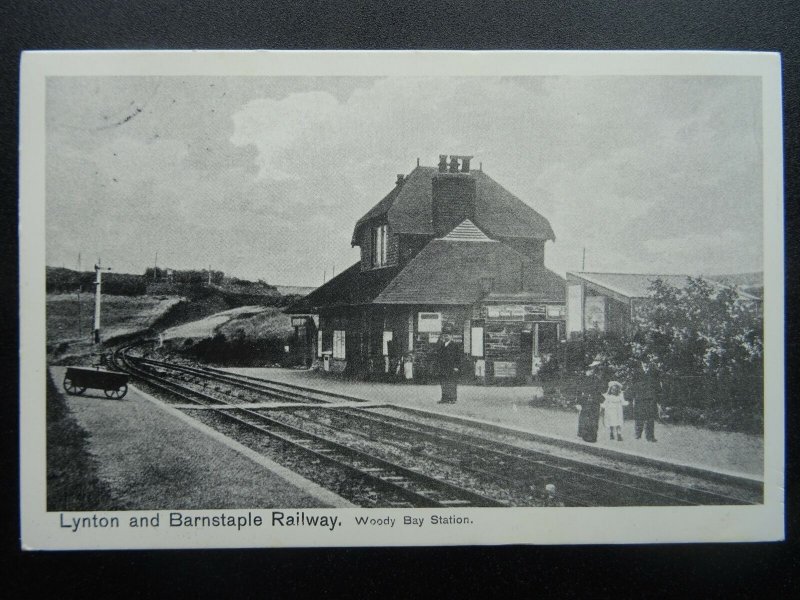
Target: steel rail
<point>525,459</point>
<point>233,379</point>
<point>400,480</point>
<point>586,484</point>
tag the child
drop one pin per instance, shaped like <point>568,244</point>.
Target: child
<point>612,407</point>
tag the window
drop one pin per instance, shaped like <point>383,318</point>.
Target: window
<point>380,241</point>
<point>338,344</point>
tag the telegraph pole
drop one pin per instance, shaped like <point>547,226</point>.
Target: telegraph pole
<point>98,282</point>
<point>583,263</point>
<point>80,311</point>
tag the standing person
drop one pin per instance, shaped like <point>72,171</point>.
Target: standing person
<point>646,392</point>
<point>449,355</point>
<point>612,407</point>
<point>589,403</point>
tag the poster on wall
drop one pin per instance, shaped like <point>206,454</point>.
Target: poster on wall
<point>429,322</point>
<point>595,313</point>
<point>574,308</point>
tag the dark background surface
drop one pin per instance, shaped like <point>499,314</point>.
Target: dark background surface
<point>716,570</point>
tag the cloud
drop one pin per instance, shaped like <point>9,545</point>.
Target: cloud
<point>267,176</point>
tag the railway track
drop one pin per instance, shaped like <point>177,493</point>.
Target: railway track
<point>580,484</point>
<point>330,434</point>
<point>403,486</point>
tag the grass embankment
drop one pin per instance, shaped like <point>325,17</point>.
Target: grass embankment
<point>73,483</point>
<point>247,336</point>
<point>70,321</point>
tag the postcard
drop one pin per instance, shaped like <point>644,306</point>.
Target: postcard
<point>292,299</point>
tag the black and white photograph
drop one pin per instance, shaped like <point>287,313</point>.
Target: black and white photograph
<point>400,298</point>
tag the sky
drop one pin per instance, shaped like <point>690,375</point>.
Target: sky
<point>265,177</point>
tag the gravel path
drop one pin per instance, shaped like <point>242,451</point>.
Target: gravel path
<point>513,407</point>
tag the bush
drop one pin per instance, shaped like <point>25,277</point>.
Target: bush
<point>239,351</point>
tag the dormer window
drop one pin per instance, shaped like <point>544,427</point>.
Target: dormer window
<point>380,241</point>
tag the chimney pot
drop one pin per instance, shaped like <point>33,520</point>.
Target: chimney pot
<point>465,164</point>
<point>454,164</point>
<point>442,163</point>
<point>400,178</point>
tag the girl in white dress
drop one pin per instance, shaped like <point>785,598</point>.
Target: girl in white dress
<point>612,408</point>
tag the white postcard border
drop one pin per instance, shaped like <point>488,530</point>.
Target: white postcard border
<point>43,530</point>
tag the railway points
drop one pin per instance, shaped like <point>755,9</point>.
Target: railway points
<point>379,454</point>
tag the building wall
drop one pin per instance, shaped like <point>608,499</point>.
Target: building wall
<point>393,248</point>
<point>426,344</point>
<point>366,247</point>
<point>616,317</point>
<point>507,344</point>
<point>513,343</point>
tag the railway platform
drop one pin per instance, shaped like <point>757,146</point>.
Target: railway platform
<point>154,457</point>
<point>514,407</point>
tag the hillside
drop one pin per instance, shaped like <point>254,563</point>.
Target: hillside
<point>70,319</point>
<point>190,283</point>
<point>244,336</point>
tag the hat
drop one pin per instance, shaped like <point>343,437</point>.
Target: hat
<point>596,362</point>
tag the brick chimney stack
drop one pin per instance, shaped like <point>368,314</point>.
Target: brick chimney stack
<point>453,193</point>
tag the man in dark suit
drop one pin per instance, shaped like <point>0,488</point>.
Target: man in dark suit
<point>449,367</point>
<point>646,392</point>
<point>589,396</point>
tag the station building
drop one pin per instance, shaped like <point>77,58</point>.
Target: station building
<point>447,249</point>
<point>609,302</point>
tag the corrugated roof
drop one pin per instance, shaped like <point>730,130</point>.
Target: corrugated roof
<point>499,212</point>
<point>452,272</point>
<point>637,285</point>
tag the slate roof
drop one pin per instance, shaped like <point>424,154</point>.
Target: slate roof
<point>497,211</point>
<point>451,272</point>
<point>350,287</point>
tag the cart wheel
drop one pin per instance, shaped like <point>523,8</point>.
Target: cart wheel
<point>72,388</point>
<point>118,393</point>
